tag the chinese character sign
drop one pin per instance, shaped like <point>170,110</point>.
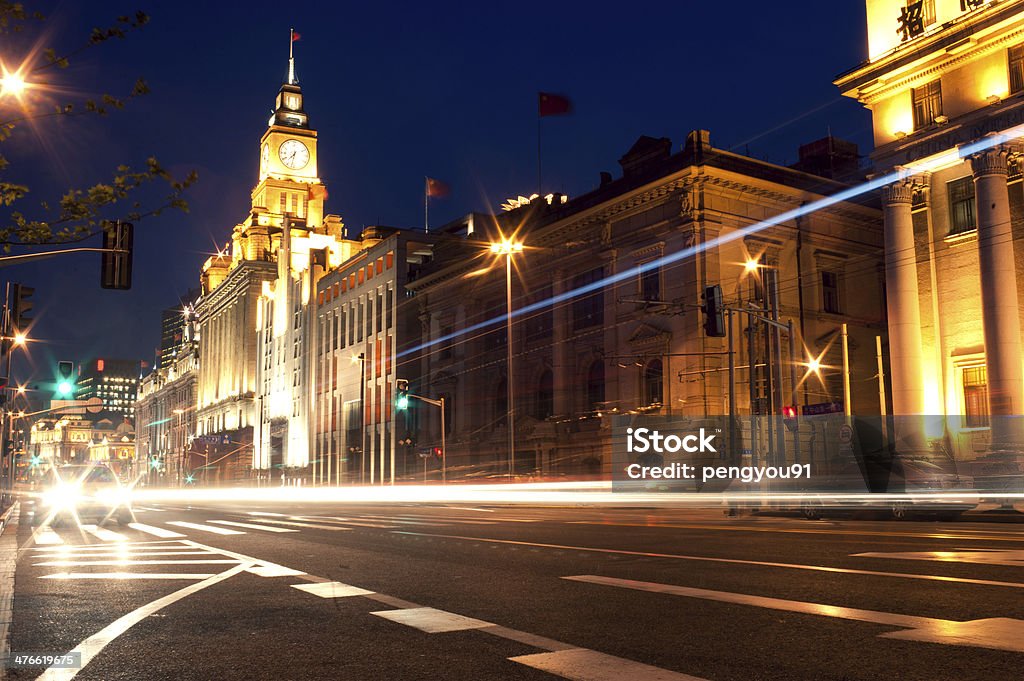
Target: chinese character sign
<point>912,20</point>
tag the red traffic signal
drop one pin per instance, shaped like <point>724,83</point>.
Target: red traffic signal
<point>789,416</point>
<point>437,451</point>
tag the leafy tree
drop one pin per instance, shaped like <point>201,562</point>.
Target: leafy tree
<point>80,211</point>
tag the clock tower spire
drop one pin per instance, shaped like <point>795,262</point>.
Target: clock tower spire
<point>288,180</point>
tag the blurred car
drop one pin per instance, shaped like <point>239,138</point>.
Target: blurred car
<point>88,492</point>
<point>928,488</point>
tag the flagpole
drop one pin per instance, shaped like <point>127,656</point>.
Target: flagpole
<point>426,203</point>
<point>539,184</point>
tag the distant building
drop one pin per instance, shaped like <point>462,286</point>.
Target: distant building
<point>115,381</point>
<point>174,327</point>
<point>80,437</point>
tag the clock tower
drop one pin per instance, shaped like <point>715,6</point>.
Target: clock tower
<point>288,181</point>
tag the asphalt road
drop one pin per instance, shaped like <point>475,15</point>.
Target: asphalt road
<point>338,591</point>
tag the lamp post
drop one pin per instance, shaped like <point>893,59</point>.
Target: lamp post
<point>508,248</point>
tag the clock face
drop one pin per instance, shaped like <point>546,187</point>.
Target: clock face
<point>294,154</point>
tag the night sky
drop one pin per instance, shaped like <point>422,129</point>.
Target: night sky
<point>399,91</point>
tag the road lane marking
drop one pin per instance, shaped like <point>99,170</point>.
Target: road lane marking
<point>984,557</point>
<point>581,664</point>
<point>848,533</point>
<point>126,576</point>
<point>132,561</point>
<point>162,543</point>
<point>294,524</point>
<point>331,589</point>
<point>997,633</point>
<point>736,561</point>
<point>117,554</point>
<point>259,567</point>
<point>251,526</point>
<point>346,521</point>
<point>45,535</point>
<point>277,515</point>
<point>103,533</point>
<point>155,531</point>
<point>92,646</point>
<point>203,528</point>
<point>432,620</point>
<point>274,570</point>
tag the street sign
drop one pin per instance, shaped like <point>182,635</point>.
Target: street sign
<point>424,452</point>
<point>822,408</point>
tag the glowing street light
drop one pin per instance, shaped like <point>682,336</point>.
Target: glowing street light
<point>751,266</point>
<point>11,83</point>
<point>20,338</point>
<point>508,248</point>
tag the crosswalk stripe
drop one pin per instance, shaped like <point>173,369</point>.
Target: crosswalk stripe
<point>251,526</point>
<point>45,535</point>
<point>432,620</point>
<point>203,528</point>
<point>130,561</point>
<point>103,533</point>
<point>155,531</point>
<point>331,589</point>
<point>347,521</point>
<point>274,515</point>
<point>581,664</point>
<point>318,527</point>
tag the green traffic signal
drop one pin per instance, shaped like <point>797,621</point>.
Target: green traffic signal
<point>64,388</point>
<point>402,402</point>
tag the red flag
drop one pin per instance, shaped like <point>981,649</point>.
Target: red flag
<point>437,189</point>
<point>317,191</point>
<point>549,104</point>
<point>295,36</point>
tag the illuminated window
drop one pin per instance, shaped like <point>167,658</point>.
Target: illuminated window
<point>1016,62</point>
<point>976,397</point>
<point>927,104</point>
<point>284,203</point>
<point>961,205</point>
<point>830,292</point>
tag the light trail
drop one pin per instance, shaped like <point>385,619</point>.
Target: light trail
<point>951,156</point>
<point>558,493</point>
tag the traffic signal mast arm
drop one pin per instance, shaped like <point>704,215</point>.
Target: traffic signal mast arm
<point>26,257</point>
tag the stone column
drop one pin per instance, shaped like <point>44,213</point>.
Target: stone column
<point>999,311</point>
<point>561,364</point>
<point>905,351</point>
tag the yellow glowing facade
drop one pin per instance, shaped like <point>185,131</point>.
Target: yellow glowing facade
<point>953,257</point>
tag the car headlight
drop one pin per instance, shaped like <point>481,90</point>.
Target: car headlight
<point>113,497</point>
<point>62,495</point>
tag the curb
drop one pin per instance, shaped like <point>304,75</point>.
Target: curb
<point>5,517</point>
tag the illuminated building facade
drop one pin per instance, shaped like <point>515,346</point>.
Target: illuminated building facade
<point>940,75</point>
<point>175,323</point>
<point>637,346</point>
<point>106,437</point>
<point>366,319</point>
<point>115,381</point>
<point>232,282</point>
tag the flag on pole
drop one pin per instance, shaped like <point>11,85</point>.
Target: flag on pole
<point>295,36</point>
<point>436,189</point>
<point>317,191</point>
<point>549,104</point>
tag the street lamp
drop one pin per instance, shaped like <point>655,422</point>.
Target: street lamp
<point>11,83</point>
<point>20,338</point>
<point>508,248</point>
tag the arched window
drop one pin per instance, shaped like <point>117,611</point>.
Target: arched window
<point>595,385</point>
<point>545,396</point>
<point>654,383</point>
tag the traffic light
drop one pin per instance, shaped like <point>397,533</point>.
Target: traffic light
<point>402,402</point>
<point>116,268</point>
<point>437,452</point>
<point>21,307</point>
<point>789,417</point>
<point>65,379</point>
<point>714,321</point>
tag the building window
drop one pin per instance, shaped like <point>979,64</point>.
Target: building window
<point>540,323</point>
<point>653,384</point>
<point>650,282</point>
<point>976,397</point>
<point>1016,61</point>
<point>961,205</point>
<point>830,292</point>
<point>545,396</point>
<point>927,104</point>
<point>588,309</point>
<point>595,385</point>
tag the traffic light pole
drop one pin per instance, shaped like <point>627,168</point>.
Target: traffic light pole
<point>444,450</point>
<point>28,257</point>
